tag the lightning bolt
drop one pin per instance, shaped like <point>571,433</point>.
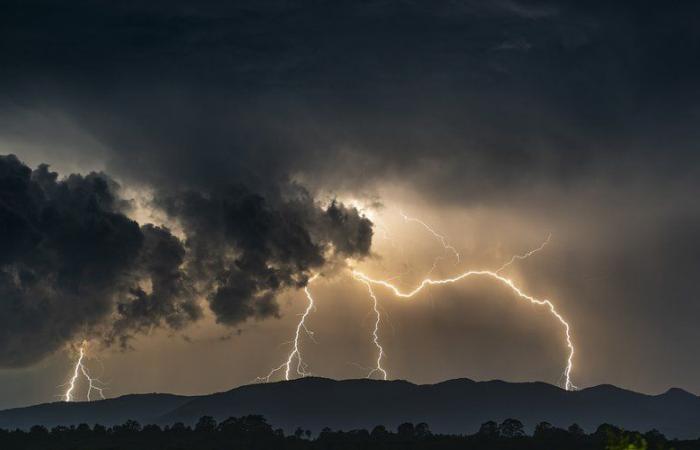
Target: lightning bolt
<point>375,332</point>
<point>92,384</point>
<point>525,255</point>
<point>301,367</point>
<point>442,239</point>
<point>427,281</point>
<point>68,396</point>
<point>77,370</point>
<point>568,385</point>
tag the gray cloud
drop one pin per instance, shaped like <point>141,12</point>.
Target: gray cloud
<point>245,91</point>
<point>255,91</point>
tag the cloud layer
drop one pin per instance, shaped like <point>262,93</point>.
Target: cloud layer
<point>499,121</point>
<point>75,266</point>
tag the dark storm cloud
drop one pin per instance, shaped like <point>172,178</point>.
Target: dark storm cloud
<point>74,266</point>
<point>243,243</point>
<point>250,246</point>
<point>492,96</point>
<point>170,299</point>
<point>67,255</point>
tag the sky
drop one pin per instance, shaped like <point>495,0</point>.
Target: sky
<point>173,175</point>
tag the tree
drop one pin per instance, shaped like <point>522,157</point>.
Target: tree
<point>543,430</point>
<point>379,432</point>
<point>423,430</point>
<point>358,435</point>
<point>511,428</point>
<point>151,428</point>
<point>406,430</point>
<point>256,425</point>
<point>307,433</point>
<point>576,430</point>
<point>299,432</point>
<point>179,427</point>
<point>128,427</point>
<point>489,430</point>
<point>252,425</point>
<point>605,430</point>
<point>231,425</point>
<point>655,438</point>
<point>205,424</point>
<point>625,440</point>
<point>38,431</point>
<point>59,429</point>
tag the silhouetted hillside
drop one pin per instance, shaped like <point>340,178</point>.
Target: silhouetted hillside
<point>455,406</point>
<point>145,408</point>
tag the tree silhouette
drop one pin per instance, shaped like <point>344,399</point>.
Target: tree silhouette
<point>254,433</point>
<point>205,424</point>
<point>179,428</point>
<point>543,430</point>
<point>489,430</point>
<point>38,431</point>
<point>151,429</point>
<point>379,433</point>
<point>576,430</point>
<point>511,428</point>
<point>422,430</point>
<point>128,427</point>
<point>406,430</point>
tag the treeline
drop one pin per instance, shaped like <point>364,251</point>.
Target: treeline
<point>253,432</point>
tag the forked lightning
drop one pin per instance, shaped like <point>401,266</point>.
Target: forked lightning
<point>525,255</point>
<point>568,385</point>
<point>438,236</point>
<point>79,368</point>
<point>301,367</point>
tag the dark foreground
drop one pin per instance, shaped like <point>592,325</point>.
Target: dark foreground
<point>253,432</point>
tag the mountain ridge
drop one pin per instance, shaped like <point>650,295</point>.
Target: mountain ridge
<point>451,406</point>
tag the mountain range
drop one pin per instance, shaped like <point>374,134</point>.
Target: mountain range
<point>455,406</point>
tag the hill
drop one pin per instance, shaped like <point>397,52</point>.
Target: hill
<point>454,406</point>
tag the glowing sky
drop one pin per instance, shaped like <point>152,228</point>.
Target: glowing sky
<point>497,124</point>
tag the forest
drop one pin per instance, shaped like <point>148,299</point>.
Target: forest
<point>255,433</point>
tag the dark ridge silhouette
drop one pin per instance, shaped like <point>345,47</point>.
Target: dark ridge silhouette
<point>454,406</point>
<point>145,408</point>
